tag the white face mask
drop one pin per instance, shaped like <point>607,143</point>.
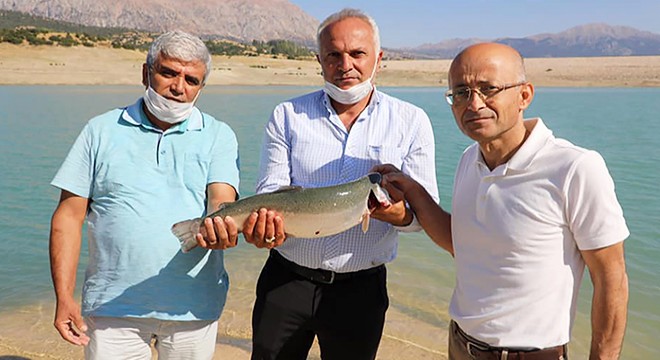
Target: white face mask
<point>169,111</point>
<point>353,94</point>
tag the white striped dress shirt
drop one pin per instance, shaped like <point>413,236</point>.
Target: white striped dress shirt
<point>305,144</point>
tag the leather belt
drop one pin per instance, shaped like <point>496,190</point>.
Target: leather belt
<point>480,350</point>
<point>321,276</point>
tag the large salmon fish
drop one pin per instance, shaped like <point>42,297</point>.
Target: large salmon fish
<point>307,212</point>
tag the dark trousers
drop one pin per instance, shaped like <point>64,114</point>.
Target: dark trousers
<point>347,316</point>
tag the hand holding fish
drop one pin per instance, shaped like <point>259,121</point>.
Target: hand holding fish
<point>433,219</point>
<point>396,214</point>
<point>217,233</point>
<point>397,183</point>
<point>264,229</point>
<point>394,181</point>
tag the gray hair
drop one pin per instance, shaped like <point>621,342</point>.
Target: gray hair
<point>345,14</point>
<point>182,46</point>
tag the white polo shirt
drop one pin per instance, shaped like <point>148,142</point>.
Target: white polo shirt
<point>518,231</point>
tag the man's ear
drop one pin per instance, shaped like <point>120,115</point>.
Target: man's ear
<point>318,59</point>
<point>380,59</point>
<point>526,95</point>
<point>145,75</point>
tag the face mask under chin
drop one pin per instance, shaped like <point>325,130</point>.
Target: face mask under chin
<point>166,110</point>
<point>353,94</point>
<point>349,96</point>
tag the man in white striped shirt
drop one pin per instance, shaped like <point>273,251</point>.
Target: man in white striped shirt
<point>335,287</point>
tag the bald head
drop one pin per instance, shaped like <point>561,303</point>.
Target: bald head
<point>480,58</point>
<point>488,95</point>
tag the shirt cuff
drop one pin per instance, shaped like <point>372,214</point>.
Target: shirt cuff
<point>414,225</point>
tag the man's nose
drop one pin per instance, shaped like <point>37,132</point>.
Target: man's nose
<point>475,100</point>
<point>345,63</point>
<point>177,87</point>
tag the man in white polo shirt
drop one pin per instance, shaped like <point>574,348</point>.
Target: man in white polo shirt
<point>529,211</point>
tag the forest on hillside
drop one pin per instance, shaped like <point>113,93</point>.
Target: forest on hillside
<point>19,28</point>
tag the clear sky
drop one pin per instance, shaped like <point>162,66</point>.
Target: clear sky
<point>409,23</point>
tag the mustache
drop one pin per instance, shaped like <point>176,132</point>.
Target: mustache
<point>348,75</point>
<point>474,115</point>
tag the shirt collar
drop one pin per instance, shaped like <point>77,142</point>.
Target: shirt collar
<point>539,134</point>
<point>523,158</point>
<point>134,114</point>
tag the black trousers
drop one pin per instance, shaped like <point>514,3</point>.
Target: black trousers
<point>347,316</point>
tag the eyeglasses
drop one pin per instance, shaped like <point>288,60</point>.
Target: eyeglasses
<point>462,95</point>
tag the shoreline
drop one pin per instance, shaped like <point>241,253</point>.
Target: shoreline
<point>54,65</point>
<point>27,333</point>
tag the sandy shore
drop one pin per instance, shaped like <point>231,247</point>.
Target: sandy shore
<point>28,333</point>
<point>52,65</point>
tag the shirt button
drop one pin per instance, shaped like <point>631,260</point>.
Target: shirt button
<point>162,152</point>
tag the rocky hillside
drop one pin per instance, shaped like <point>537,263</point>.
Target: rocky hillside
<point>589,40</point>
<point>240,20</point>
<point>581,41</point>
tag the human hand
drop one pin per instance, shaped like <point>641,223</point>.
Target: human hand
<point>397,184</point>
<point>69,322</point>
<point>397,214</point>
<point>217,234</point>
<point>264,229</point>
<point>394,181</point>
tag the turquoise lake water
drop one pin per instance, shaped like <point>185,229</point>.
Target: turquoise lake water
<point>39,124</point>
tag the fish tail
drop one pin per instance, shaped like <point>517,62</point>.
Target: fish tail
<point>185,231</point>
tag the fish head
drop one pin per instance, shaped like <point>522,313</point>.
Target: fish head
<point>378,197</point>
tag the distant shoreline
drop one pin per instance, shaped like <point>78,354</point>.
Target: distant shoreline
<point>54,65</point>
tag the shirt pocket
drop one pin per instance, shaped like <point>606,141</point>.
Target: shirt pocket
<point>122,175</point>
<point>196,171</point>
<point>383,154</point>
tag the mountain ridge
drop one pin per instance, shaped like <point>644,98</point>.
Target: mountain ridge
<point>588,40</point>
<point>263,20</point>
<point>240,20</point>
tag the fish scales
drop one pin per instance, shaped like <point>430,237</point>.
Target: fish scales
<point>307,212</point>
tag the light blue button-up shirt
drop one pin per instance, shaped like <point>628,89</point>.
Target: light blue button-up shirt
<point>306,144</point>
<point>140,181</point>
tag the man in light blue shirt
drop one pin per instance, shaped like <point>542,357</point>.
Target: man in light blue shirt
<point>335,287</point>
<point>131,174</point>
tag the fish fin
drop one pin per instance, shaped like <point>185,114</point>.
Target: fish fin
<point>287,189</point>
<point>365,221</point>
<point>185,231</point>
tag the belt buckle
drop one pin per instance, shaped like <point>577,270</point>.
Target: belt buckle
<point>505,354</point>
<point>469,345</point>
<point>325,281</point>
